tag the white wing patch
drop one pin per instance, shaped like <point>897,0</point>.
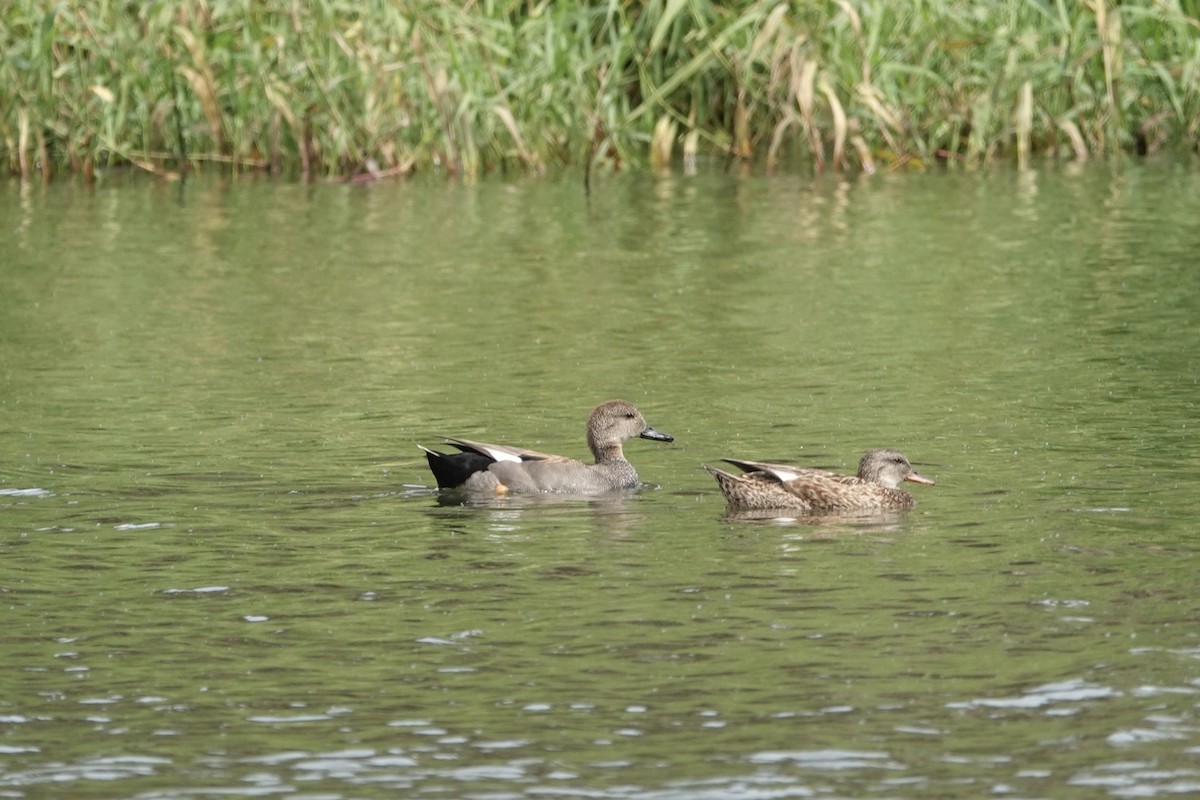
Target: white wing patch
<point>783,474</point>
<point>502,455</point>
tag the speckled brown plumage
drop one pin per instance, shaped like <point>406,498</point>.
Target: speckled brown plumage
<point>778,486</point>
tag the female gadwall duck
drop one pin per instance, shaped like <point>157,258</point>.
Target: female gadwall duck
<point>776,486</point>
<point>500,469</point>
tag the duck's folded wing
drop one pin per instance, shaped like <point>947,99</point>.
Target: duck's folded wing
<point>500,452</point>
<point>780,472</point>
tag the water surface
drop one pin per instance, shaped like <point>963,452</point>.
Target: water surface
<point>223,573</point>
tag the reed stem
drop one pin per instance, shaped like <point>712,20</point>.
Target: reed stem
<point>351,88</point>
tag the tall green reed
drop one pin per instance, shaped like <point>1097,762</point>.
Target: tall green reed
<point>347,87</point>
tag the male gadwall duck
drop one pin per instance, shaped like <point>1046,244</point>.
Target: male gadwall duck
<point>501,469</point>
<point>776,486</point>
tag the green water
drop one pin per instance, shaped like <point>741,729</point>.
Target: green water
<point>222,573</point>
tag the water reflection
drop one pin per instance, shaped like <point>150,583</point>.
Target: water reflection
<point>826,523</point>
<point>612,513</point>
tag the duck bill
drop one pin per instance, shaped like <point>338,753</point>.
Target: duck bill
<point>917,478</point>
<point>658,436</point>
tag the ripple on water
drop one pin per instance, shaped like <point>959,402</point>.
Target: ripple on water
<point>1048,694</point>
<point>827,759</point>
<point>25,492</point>
<point>1136,779</point>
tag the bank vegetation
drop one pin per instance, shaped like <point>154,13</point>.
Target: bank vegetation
<point>373,88</point>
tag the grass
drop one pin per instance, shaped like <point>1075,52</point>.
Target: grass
<point>385,87</point>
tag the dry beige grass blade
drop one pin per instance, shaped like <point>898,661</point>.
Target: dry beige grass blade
<point>839,123</point>
<point>1024,123</point>
<point>1077,142</point>
<point>662,143</point>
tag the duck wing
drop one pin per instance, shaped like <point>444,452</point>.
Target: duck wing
<point>501,452</point>
<point>780,472</point>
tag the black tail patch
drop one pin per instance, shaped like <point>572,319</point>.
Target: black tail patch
<point>452,469</point>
